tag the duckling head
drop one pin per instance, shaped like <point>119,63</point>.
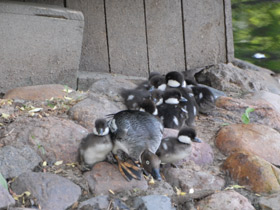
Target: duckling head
<point>101,127</point>
<point>151,164</point>
<point>148,106</point>
<point>175,79</point>
<point>187,135</point>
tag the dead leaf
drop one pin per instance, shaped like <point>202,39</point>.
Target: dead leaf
<point>57,163</point>
<point>5,116</point>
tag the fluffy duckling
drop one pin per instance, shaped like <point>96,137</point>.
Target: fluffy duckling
<point>173,149</point>
<point>95,146</point>
<point>204,98</point>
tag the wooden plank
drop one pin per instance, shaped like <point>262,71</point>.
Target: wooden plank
<point>49,2</point>
<point>126,37</point>
<point>229,34</point>
<point>94,56</point>
<point>165,35</point>
<point>204,32</point>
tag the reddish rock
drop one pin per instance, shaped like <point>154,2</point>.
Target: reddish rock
<point>260,140</point>
<point>37,92</point>
<point>105,176</point>
<point>264,113</point>
<point>51,137</point>
<point>227,200</point>
<point>90,109</point>
<point>273,99</point>
<point>253,172</point>
<point>201,182</point>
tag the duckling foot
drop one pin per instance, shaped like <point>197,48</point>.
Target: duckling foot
<point>128,170</point>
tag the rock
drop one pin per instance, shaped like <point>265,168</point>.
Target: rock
<point>169,132</point>
<point>52,138</point>
<point>90,109</point>
<point>230,78</point>
<point>202,154</point>
<point>37,92</point>
<point>15,161</point>
<point>50,190</point>
<point>260,140</point>
<point>6,200</point>
<point>105,176</point>
<point>150,202</point>
<point>273,99</point>
<point>111,87</point>
<point>270,202</point>
<point>264,112</point>
<point>253,172</point>
<point>201,182</point>
<point>160,188</point>
<point>102,202</point>
<point>228,200</point>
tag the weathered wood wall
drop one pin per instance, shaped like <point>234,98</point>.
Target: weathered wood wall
<point>135,37</point>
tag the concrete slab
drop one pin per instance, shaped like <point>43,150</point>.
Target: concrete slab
<point>229,34</point>
<point>165,35</point>
<point>204,32</point>
<point>94,52</point>
<point>50,2</point>
<point>126,37</point>
<point>40,44</point>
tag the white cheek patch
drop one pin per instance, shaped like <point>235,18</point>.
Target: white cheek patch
<point>95,131</point>
<point>142,110</point>
<point>194,111</point>
<point>200,96</point>
<point>172,101</point>
<point>184,110</point>
<point>185,139</point>
<point>130,97</point>
<point>190,94</point>
<point>173,83</point>
<point>159,102</point>
<point>106,131</point>
<point>164,145</point>
<point>162,87</point>
<point>155,112</point>
<point>175,120</point>
<point>184,84</point>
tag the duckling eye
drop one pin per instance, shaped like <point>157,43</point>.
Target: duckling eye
<point>147,162</point>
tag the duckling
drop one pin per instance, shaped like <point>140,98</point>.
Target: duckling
<point>173,149</point>
<point>176,80</point>
<point>148,106</point>
<point>204,99</point>
<point>95,146</point>
<point>146,84</point>
<point>157,97</point>
<point>133,98</point>
<point>138,134</point>
<point>171,112</point>
<point>157,82</point>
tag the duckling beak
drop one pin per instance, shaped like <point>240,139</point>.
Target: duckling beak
<point>198,140</point>
<point>156,174</point>
<point>183,99</point>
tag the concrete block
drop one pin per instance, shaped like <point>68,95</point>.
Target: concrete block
<point>165,35</point>
<point>229,34</point>
<point>94,56</point>
<point>205,38</point>
<point>40,44</point>
<point>127,37</point>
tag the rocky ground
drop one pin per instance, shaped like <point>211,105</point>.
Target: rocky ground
<point>236,167</point>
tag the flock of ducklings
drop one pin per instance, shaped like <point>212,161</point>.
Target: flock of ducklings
<point>134,136</point>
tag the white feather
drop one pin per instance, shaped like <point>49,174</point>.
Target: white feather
<point>173,83</point>
<point>175,120</point>
<point>200,96</point>
<point>113,126</point>
<point>172,101</point>
<point>130,97</point>
<point>164,145</point>
<point>162,87</point>
<point>185,139</point>
<point>159,102</point>
<point>155,112</point>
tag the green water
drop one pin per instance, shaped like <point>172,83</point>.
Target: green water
<point>256,32</point>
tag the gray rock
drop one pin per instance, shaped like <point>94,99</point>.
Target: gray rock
<point>6,200</point>
<point>230,78</point>
<point>50,190</point>
<point>160,188</point>
<point>270,202</point>
<point>15,161</point>
<point>52,138</point>
<point>102,202</point>
<point>227,200</point>
<point>88,110</point>
<point>273,99</point>
<point>153,202</point>
<point>195,182</point>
